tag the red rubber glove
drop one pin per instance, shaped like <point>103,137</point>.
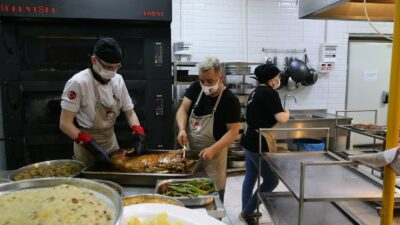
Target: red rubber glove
<point>92,147</point>
<point>83,138</point>
<point>137,129</point>
<point>138,139</point>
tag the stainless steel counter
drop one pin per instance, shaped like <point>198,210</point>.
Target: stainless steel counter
<point>313,119</point>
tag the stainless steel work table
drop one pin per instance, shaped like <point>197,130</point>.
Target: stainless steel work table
<point>316,180</point>
<point>325,179</point>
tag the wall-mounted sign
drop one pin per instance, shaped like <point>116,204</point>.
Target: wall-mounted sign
<point>154,10</point>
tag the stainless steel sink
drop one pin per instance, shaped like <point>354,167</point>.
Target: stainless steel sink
<point>305,116</point>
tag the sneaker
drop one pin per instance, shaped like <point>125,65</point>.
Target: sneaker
<point>248,219</point>
<point>255,214</point>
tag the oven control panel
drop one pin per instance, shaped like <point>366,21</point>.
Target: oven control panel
<point>159,105</point>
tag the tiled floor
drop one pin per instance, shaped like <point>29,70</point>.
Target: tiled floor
<point>233,195</point>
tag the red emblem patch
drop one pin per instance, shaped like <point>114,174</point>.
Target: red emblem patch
<point>72,95</point>
<point>196,125</point>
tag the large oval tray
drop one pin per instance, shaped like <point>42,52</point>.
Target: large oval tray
<point>106,194</point>
<point>151,198</point>
<point>15,173</point>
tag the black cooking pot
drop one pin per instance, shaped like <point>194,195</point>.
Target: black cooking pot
<point>311,78</point>
<point>298,70</point>
<point>302,73</point>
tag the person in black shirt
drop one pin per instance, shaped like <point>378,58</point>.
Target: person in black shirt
<point>264,110</point>
<point>209,120</point>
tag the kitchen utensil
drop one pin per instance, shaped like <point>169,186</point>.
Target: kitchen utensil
<point>311,78</point>
<point>298,70</point>
<point>235,153</point>
<point>184,149</point>
<point>312,75</point>
<point>291,84</point>
<point>237,164</point>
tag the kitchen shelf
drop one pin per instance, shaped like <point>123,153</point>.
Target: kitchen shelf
<point>175,83</point>
<point>283,209</point>
<point>235,170</point>
<point>365,133</point>
<point>361,132</point>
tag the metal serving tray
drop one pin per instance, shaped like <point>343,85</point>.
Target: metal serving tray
<point>127,178</point>
<point>188,201</point>
<point>46,163</point>
<point>106,194</point>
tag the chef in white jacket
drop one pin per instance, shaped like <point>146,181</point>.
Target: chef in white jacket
<point>92,100</point>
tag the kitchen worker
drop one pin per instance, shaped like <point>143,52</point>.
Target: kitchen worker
<point>209,120</point>
<point>264,110</point>
<point>91,102</point>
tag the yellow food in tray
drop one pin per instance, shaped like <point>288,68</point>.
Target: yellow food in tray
<point>139,199</point>
<point>64,204</point>
<point>160,219</point>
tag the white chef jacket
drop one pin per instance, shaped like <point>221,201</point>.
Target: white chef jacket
<point>78,96</point>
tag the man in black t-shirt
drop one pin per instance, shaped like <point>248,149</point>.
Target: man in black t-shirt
<point>264,110</point>
<point>209,120</point>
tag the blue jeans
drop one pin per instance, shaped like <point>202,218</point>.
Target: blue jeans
<point>270,181</point>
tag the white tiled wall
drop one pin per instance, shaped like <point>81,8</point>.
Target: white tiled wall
<point>239,29</point>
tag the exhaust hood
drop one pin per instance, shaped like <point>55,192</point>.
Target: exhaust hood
<point>378,10</point>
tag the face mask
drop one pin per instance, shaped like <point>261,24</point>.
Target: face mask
<point>209,90</point>
<point>105,74</point>
<point>276,86</point>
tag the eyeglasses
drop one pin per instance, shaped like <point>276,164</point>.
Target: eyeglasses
<point>108,66</point>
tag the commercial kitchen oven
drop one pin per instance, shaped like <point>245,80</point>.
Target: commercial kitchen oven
<point>41,50</point>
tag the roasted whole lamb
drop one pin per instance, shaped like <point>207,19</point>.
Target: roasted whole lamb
<point>171,162</point>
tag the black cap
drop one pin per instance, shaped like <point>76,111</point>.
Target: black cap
<point>108,50</point>
<point>266,72</point>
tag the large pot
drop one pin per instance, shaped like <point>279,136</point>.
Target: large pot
<point>311,78</point>
<point>298,70</point>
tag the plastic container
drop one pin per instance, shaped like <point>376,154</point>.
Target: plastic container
<point>309,145</point>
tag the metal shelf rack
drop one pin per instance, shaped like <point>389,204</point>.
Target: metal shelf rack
<point>313,177</point>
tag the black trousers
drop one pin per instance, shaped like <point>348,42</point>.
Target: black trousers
<point>221,194</point>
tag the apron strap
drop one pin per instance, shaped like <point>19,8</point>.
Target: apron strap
<point>96,90</point>
<point>216,103</point>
